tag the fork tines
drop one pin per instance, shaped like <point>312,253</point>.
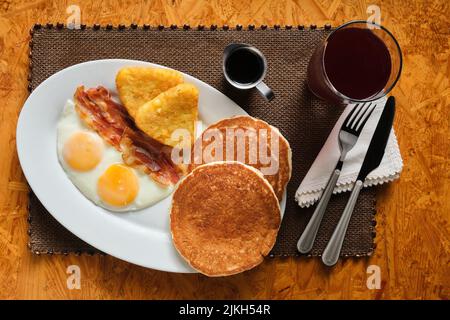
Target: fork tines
<point>357,118</point>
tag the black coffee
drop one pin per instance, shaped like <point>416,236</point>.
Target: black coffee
<point>244,66</point>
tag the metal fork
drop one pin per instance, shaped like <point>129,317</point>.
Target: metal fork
<point>348,135</point>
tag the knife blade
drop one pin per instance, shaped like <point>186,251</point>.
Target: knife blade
<point>371,161</point>
<point>377,145</point>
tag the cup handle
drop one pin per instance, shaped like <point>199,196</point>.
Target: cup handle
<point>265,91</point>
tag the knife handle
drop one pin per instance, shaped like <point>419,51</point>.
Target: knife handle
<point>331,253</point>
<point>306,241</point>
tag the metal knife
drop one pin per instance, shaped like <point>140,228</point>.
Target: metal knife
<point>372,160</point>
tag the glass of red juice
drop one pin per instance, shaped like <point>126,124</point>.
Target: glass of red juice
<point>359,61</point>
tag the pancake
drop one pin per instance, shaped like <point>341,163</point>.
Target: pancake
<point>174,109</point>
<point>277,171</point>
<point>138,85</point>
<point>224,218</point>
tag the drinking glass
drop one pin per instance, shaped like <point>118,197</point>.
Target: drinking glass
<point>359,61</point>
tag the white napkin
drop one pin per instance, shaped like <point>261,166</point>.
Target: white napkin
<point>316,179</point>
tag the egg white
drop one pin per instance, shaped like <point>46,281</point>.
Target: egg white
<point>149,191</point>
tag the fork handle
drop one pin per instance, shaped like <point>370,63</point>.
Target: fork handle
<point>306,241</point>
<point>331,253</point>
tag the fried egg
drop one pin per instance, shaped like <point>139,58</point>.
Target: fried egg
<point>97,169</point>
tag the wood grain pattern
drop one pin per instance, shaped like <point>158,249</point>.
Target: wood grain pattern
<point>413,213</point>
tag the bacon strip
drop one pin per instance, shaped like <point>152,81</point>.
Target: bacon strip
<point>93,114</point>
<point>113,123</point>
<point>141,152</point>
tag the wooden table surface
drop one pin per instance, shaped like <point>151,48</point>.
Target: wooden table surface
<point>413,212</point>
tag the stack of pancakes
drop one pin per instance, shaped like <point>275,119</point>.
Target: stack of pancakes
<point>225,213</point>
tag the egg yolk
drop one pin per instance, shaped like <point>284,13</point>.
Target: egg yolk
<point>118,186</point>
<point>83,151</point>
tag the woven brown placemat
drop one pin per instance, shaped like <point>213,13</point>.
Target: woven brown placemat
<point>304,120</point>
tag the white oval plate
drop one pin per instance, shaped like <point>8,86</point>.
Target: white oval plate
<point>142,237</point>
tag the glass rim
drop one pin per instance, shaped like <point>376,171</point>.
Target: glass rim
<point>376,96</point>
